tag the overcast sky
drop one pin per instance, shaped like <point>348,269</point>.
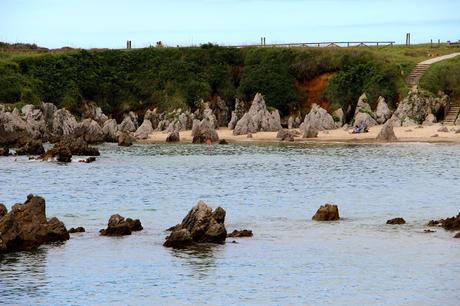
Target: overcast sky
<point>109,23</point>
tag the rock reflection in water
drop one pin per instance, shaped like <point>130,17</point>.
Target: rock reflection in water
<point>201,258</point>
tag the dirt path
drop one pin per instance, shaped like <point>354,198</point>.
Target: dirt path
<point>439,58</point>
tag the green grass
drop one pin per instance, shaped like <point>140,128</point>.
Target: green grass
<point>443,76</point>
<point>120,80</point>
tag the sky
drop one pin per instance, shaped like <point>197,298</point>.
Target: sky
<point>110,23</point>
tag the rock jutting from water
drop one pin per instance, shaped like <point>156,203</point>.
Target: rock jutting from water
<point>119,226</point>
<point>240,234</point>
<point>201,225</point>
<point>258,119</point>
<point>76,230</point>
<point>327,212</point>
<point>397,221</point>
<point>26,227</point>
<point>68,146</point>
<point>450,224</point>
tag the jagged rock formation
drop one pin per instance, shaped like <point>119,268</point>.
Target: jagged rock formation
<point>204,131</point>
<point>26,227</point>
<point>318,119</point>
<point>363,112</point>
<point>416,108</point>
<point>237,114</point>
<point>382,112</point>
<point>327,212</point>
<point>144,130</point>
<point>201,225</point>
<point>387,133</point>
<point>258,118</point>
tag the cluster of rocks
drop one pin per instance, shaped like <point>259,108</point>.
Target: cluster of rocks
<point>63,150</point>
<point>418,108</point>
<point>26,227</point>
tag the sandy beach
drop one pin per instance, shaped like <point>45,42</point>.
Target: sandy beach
<point>404,134</point>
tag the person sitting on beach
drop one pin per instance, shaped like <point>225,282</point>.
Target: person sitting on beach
<point>360,128</point>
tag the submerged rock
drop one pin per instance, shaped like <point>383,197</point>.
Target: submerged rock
<point>26,227</point>
<point>240,233</point>
<point>88,160</point>
<point>327,212</point>
<point>396,221</point>
<point>77,230</point>
<point>457,236</point>
<point>201,225</point>
<point>118,226</point>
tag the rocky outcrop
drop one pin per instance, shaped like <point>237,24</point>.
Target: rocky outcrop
<point>68,146</point>
<point>92,111</point>
<point>327,212</point>
<point>450,224</point>
<point>258,118</point>
<point>32,147</point>
<point>153,116</point>
<point>110,130</point>
<point>221,112</point>
<point>294,122</point>
<point>286,135</point>
<point>237,114</point>
<point>36,126</point>
<point>118,226</point>
<point>26,227</point>
<point>339,117</point>
<point>363,112</point>
<point>396,221</point>
<point>4,151</point>
<point>308,131</point>
<point>90,131</point>
<point>13,129</point>
<point>387,133</point>
<point>240,233</point>
<point>64,123</point>
<point>125,140</point>
<point>127,125</point>
<point>319,119</point>
<point>382,112</point>
<point>430,120</point>
<point>204,131</point>
<point>201,225</point>
<point>144,130</point>
<point>3,210</point>
<point>417,106</point>
<point>173,137</point>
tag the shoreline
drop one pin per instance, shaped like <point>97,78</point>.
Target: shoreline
<point>339,136</point>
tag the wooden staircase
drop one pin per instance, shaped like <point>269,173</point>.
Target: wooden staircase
<point>414,77</point>
<point>452,113</point>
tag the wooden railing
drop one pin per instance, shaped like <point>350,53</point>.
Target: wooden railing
<point>322,44</point>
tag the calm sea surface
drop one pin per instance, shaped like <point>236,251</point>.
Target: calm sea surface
<point>273,190</point>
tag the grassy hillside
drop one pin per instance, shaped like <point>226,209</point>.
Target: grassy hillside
<point>443,76</point>
<point>167,78</point>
